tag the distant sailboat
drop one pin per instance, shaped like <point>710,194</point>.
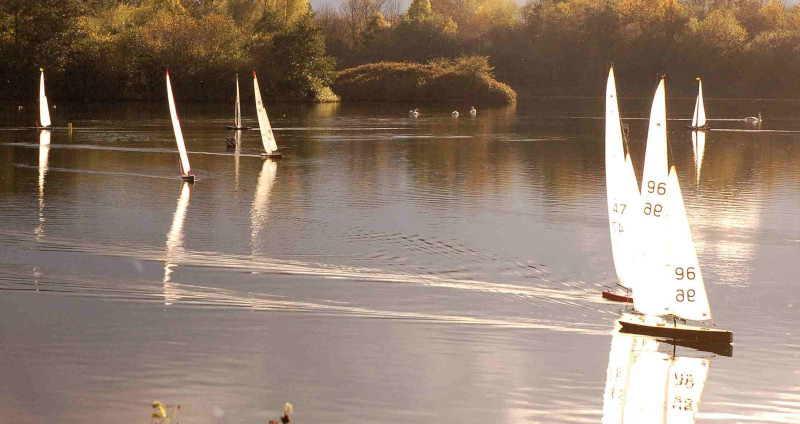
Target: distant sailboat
<point>669,283</point>
<point>44,111</point>
<point>267,138</point>
<point>646,385</point>
<point>175,244</point>
<point>186,169</point>
<point>237,117</point>
<point>623,197</point>
<point>699,116</point>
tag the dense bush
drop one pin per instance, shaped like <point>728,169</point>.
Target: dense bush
<point>463,80</point>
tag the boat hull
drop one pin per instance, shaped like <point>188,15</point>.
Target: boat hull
<point>704,127</point>
<point>231,127</point>
<point>615,297</point>
<point>676,331</point>
<point>272,156</point>
<point>188,177</point>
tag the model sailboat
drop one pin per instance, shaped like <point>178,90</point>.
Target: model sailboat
<point>669,284</point>
<point>44,111</point>
<point>267,138</point>
<point>699,116</point>
<point>237,117</point>
<point>647,385</point>
<point>186,169</point>
<point>623,196</point>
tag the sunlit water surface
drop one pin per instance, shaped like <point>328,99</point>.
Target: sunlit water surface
<point>385,270</point>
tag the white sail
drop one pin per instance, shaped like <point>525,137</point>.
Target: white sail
<point>176,127</point>
<point>44,153</point>
<point>260,212</point>
<point>699,116</point>
<point>699,149</point>
<point>263,121</point>
<point>688,298</point>
<point>175,245</point>
<point>44,111</point>
<point>237,120</point>
<point>622,192</point>
<point>651,298</point>
<point>687,378</point>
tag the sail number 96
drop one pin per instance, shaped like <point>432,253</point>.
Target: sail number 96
<point>652,209</point>
<point>661,188</point>
<point>681,296</point>
<point>687,273</point>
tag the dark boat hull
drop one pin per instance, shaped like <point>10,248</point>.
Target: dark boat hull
<point>188,177</point>
<point>704,127</point>
<point>615,297</point>
<point>678,332</point>
<point>272,156</point>
<point>231,127</point>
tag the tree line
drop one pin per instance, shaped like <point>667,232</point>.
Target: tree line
<point>119,49</point>
<point>114,49</point>
<point>564,47</point>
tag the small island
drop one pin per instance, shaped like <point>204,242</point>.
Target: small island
<point>462,80</point>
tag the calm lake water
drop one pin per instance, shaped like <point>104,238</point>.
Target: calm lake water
<point>434,270</point>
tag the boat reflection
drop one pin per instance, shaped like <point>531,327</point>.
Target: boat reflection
<point>699,149</point>
<point>647,382</point>
<point>259,213</point>
<point>175,244</point>
<point>44,153</point>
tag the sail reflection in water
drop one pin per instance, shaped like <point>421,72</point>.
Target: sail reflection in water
<point>260,211</point>
<point>175,244</point>
<point>699,149</point>
<point>44,153</point>
<point>646,385</point>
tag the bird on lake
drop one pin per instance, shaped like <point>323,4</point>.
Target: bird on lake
<point>473,112</point>
<point>753,119</point>
<point>454,113</point>
<point>413,113</point>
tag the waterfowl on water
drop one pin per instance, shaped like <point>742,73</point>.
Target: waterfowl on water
<point>473,112</point>
<point>753,119</point>
<point>454,113</point>
<point>413,113</point>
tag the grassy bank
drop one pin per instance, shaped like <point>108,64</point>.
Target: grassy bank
<point>463,80</point>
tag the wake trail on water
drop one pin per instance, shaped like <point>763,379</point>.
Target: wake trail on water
<point>565,296</point>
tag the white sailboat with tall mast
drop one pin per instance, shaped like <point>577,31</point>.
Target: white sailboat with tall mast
<point>237,116</point>
<point>644,384</point>
<point>186,169</point>
<point>267,137</point>
<point>44,110</point>
<point>623,197</point>
<point>669,282</point>
<point>699,116</point>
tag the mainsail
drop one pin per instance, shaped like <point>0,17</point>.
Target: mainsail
<point>267,138</point>
<point>237,120</point>
<point>622,192</point>
<point>176,127</point>
<point>651,298</point>
<point>699,117</point>
<point>44,111</point>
